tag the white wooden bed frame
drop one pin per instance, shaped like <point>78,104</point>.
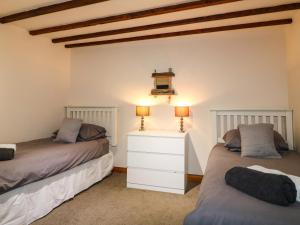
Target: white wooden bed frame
<point>225,120</point>
<point>28,203</point>
<point>103,116</point>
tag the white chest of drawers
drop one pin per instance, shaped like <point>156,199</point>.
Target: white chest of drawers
<point>156,160</point>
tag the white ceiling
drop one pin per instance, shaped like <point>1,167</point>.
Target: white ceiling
<point>115,7</point>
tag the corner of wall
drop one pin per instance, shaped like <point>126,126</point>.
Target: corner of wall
<point>293,64</point>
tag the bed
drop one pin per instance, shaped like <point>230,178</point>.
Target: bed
<point>44,174</point>
<point>220,204</point>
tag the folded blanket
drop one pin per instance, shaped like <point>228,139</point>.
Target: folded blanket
<point>7,151</point>
<point>6,154</point>
<point>295,179</point>
<point>272,188</point>
<point>13,146</point>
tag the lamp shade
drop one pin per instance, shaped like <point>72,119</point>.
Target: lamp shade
<point>182,111</point>
<point>142,110</point>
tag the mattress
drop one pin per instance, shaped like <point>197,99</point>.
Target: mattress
<point>220,204</point>
<point>40,159</point>
<point>28,203</point>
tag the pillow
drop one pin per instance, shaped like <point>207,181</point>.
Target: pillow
<point>280,143</point>
<point>90,132</point>
<point>54,134</point>
<point>258,141</point>
<point>68,131</point>
<point>232,140</point>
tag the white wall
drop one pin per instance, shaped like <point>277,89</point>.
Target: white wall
<point>293,56</point>
<point>34,81</point>
<point>236,69</point>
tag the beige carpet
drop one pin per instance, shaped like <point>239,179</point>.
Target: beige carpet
<point>109,202</point>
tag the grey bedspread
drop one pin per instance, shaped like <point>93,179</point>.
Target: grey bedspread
<point>39,159</point>
<point>220,204</point>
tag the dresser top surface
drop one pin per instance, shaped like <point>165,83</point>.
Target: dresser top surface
<point>158,133</point>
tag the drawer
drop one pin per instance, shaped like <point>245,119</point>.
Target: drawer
<point>156,144</point>
<point>156,178</point>
<point>156,161</point>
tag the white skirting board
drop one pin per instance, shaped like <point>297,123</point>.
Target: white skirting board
<point>26,204</point>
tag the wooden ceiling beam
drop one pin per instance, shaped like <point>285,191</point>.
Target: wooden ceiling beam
<point>183,33</point>
<point>230,15</point>
<point>133,15</point>
<point>48,9</point>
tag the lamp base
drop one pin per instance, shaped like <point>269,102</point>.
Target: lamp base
<point>181,125</point>
<point>142,128</point>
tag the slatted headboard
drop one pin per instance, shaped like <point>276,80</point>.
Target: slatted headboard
<point>106,117</point>
<point>225,120</point>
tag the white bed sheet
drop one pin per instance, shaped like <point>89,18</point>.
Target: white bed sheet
<point>26,204</point>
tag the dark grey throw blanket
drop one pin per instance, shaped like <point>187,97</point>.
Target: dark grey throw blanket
<point>6,154</point>
<point>272,188</point>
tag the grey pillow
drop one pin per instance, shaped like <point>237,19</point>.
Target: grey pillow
<point>90,132</point>
<point>232,141</point>
<point>257,140</point>
<point>280,143</point>
<point>68,131</point>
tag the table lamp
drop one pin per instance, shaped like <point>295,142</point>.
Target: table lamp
<point>182,111</point>
<point>142,111</point>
